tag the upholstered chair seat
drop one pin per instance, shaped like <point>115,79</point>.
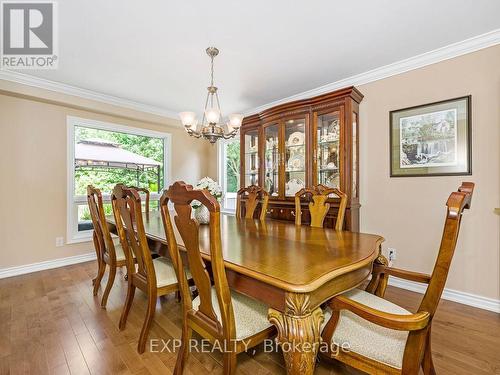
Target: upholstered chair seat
<point>250,315</point>
<point>165,272</point>
<point>120,255</point>
<point>368,339</point>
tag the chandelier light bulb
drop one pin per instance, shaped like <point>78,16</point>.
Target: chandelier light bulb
<point>212,115</point>
<point>235,120</point>
<point>188,119</point>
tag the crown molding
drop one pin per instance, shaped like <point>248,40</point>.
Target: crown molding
<point>450,51</point>
<point>41,83</point>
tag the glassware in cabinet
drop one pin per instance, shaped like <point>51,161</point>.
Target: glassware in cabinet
<point>295,156</point>
<point>272,159</point>
<point>328,149</point>
<point>251,157</point>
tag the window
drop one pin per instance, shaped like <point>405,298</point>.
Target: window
<point>102,155</point>
<point>229,173</point>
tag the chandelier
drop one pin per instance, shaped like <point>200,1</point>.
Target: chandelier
<point>211,127</point>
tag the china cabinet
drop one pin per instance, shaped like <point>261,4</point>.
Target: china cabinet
<point>301,144</point>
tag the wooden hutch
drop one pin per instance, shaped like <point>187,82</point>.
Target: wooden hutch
<point>304,143</point>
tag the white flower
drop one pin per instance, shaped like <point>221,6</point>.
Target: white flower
<point>212,187</point>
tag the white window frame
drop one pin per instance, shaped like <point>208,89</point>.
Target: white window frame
<point>72,234</point>
<point>222,172</point>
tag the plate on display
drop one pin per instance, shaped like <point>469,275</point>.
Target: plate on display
<point>334,128</point>
<point>296,139</point>
<point>293,186</point>
<point>296,163</point>
<point>331,166</point>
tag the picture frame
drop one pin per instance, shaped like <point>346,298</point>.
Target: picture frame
<point>433,139</point>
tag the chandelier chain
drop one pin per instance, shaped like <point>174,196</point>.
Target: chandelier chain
<point>212,71</point>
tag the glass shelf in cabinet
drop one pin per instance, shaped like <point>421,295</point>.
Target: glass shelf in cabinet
<point>327,143</point>
<point>334,170</point>
<point>295,146</point>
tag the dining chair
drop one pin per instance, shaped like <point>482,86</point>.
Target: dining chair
<point>253,194</point>
<point>222,316</point>
<point>107,252</point>
<point>317,197</point>
<point>381,336</point>
<point>146,195</point>
<point>155,277</point>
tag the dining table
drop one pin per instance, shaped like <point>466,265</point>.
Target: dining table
<point>292,269</point>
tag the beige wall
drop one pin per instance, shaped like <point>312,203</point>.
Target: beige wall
<point>33,167</point>
<point>409,212</point>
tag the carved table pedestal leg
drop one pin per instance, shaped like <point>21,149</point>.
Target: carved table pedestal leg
<point>298,333</point>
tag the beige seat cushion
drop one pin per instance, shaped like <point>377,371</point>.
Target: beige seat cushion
<point>120,255</point>
<point>250,315</point>
<point>368,339</point>
<point>165,272</point>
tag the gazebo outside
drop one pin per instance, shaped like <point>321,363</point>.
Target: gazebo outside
<point>97,155</point>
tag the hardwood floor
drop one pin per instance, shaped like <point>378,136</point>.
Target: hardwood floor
<point>51,324</point>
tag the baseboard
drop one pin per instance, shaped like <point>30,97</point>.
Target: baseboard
<point>464,298</point>
<point>47,265</point>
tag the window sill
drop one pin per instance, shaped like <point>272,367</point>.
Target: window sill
<point>80,239</point>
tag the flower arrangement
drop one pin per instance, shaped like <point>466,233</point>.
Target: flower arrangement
<point>212,186</point>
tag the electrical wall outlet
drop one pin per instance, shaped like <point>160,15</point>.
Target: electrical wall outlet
<point>59,241</point>
<point>392,254</point>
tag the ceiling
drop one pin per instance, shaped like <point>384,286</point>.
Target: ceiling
<point>154,52</point>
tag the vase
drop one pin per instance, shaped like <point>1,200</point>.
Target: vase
<point>202,215</point>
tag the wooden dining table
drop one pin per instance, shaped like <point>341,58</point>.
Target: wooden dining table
<point>292,269</point>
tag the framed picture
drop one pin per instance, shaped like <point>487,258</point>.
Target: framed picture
<point>432,139</point>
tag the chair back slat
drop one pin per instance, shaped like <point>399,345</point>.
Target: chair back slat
<point>253,194</point>
<point>457,202</point>
<point>182,195</point>
<point>317,197</point>
<point>98,217</point>
<point>127,210</point>
<point>146,195</point>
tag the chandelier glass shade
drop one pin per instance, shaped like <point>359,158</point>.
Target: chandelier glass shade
<point>212,126</point>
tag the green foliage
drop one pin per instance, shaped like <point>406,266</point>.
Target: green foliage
<point>84,212</point>
<point>233,166</point>
<point>106,179</point>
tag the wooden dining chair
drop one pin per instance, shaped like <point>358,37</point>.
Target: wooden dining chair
<point>253,194</point>
<point>155,277</point>
<point>317,197</point>
<point>224,317</point>
<point>107,252</point>
<point>382,337</point>
<point>146,195</point>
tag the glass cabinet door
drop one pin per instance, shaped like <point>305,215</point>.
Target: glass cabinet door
<point>295,156</point>
<point>271,159</point>
<point>251,139</point>
<point>328,149</point>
